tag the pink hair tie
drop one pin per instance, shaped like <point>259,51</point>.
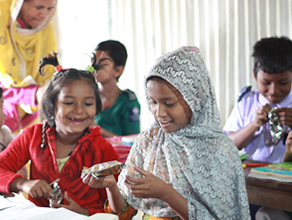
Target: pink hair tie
<point>59,68</point>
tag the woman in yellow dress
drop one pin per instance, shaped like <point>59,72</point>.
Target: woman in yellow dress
<point>26,35</point>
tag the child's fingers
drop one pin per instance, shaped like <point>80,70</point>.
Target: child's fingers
<point>288,142</point>
<point>135,180</point>
<point>86,178</point>
<point>39,188</point>
<point>132,180</point>
<point>143,172</point>
<point>284,109</point>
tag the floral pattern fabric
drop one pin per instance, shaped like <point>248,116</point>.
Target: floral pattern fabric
<point>198,160</point>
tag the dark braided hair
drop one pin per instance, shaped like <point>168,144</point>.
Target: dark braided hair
<point>48,60</point>
<point>61,79</point>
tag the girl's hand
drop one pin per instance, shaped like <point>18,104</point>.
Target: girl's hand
<point>288,143</point>
<point>262,115</point>
<point>285,116</point>
<point>73,206</point>
<point>103,182</point>
<point>148,186</point>
<point>37,188</point>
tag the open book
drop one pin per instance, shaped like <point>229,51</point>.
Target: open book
<point>279,171</point>
<point>242,154</point>
<point>18,207</point>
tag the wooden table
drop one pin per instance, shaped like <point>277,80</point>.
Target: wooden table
<point>268,193</point>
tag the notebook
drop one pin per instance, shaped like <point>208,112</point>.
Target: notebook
<point>279,172</point>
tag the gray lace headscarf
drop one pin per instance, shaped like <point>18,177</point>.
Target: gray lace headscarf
<point>198,160</point>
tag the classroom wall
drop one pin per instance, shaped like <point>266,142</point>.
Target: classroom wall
<point>224,30</point>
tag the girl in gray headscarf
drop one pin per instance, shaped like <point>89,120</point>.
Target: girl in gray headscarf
<point>183,166</point>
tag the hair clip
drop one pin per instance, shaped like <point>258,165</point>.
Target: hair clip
<point>90,69</point>
<point>59,68</point>
<point>94,67</point>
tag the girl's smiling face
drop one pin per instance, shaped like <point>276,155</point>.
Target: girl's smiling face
<point>75,108</point>
<point>167,107</point>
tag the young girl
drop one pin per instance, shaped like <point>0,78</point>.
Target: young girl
<point>121,108</point>
<point>60,147</point>
<point>183,166</point>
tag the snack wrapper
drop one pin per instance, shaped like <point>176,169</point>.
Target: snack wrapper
<point>103,169</point>
<point>276,128</point>
<point>56,195</point>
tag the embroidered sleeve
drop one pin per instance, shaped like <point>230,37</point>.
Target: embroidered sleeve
<point>127,213</point>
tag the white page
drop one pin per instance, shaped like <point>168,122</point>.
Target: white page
<point>24,212</point>
<point>21,208</point>
<point>103,216</point>
<point>4,203</point>
<point>18,207</point>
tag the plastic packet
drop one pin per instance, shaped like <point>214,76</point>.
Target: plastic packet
<point>276,128</point>
<point>103,169</point>
<point>56,195</point>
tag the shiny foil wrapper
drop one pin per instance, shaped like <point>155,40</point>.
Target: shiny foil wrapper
<point>103,169</point>
<point>276,128</point>
<point>56,195</point>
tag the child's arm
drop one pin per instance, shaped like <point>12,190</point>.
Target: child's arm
<point>116,200</point>
<point>72,205</point>
<point>242,137</point>
<point>35,188</point>
<point>288,153</point>
<point>106,133</point>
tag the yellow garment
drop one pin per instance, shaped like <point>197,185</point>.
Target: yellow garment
<point>128,212</point>
<point>37,120</point>
<point>22,49</point>
<point>61,162</point>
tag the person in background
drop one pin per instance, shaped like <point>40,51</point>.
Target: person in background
<point>26,35</point>
<point>183,166</point>
<point>6,135</point>
<point>265,213</point>
<point>120,108</point>
<point>288,153</point>
<point>248,125</point>
<point>60,147</point>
